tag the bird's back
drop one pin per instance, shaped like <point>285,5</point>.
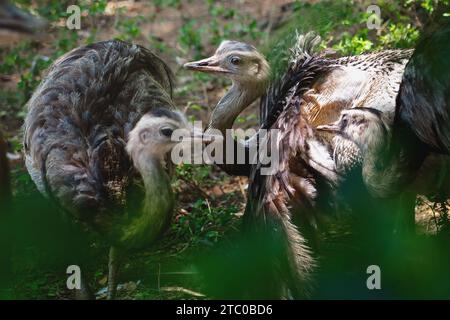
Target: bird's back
<point>423,100</point>
<point>367,80</point>
<point>78,121</point>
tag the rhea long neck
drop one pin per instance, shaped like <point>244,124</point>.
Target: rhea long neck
<point>153,172</point>
<point>373,170</point>
<point>239,97</point>
<point>382,168</point>
<point>157,205</point>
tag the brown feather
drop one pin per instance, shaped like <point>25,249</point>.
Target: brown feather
<point>78,121</point>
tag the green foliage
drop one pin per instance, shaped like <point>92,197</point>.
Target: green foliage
<point>203,224</point>
<point>193,173</point>
<point>321,17</point>
<point>226,23</point>
<point>31,65</point>
<point>356,44</point>
<point>429,5</point>
<point>16,59</point>
<point>190,37</point>
<point>399,36</point>
<point>129,29</point>
<point>166,3</point>
<point>342,25</point>
<point>51,10</point>
<point>96,7</point>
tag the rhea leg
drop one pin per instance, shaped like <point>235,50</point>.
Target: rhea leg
<point>113,266</point>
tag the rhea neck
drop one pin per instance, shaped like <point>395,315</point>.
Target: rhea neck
<point>239,97</point>
<point>153,171</point>
<point>381,169</point>
<point>157,204</point>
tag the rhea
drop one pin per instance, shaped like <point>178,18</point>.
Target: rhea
<point>396,154</point>
<point>367,131</point>
<point>96,131</point>
<point>249,73</point>
<point>312,91</point>
<point>363,134</point>
<point>149,146</point>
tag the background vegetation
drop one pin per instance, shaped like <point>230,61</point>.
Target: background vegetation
<point>210,203</point>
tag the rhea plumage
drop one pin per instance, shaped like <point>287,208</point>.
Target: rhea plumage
<point>393,154</point>
<point>92,100</point>
<point>249,73</point>
<point>366,130</point>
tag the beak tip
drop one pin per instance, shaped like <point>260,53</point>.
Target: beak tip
<point>190,65</point>
<point>328,128</point>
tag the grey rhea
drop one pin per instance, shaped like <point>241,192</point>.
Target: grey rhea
<point>91,102</point>
<point>366,133</point>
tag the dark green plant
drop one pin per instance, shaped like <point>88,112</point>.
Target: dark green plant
<point>129,29</point>
<point>203,224</point>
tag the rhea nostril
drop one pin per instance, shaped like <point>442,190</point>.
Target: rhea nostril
<point>203,64</point>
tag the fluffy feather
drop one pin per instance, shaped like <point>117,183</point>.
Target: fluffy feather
<point>78,121</point>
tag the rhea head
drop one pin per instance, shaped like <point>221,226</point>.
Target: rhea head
<point>152,137</point>
<point>247,69</point>
<point>364,126</point>
<point>239,61</point>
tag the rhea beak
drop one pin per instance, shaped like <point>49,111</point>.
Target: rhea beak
<point>208,65</point>
<point>197,136</point>
<point>329,127</point>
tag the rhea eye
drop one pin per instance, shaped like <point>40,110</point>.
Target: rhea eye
<point>235,60</point>
<point>166,132</point>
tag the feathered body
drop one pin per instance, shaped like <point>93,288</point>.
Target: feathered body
<point>303,180</point>
<point>314,90</point>
<point>415,147</point>
<point>371,80</point>
<point>424,95</point>
<point>77,125</point>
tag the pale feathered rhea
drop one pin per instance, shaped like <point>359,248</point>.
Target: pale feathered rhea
<point>91,102</point>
